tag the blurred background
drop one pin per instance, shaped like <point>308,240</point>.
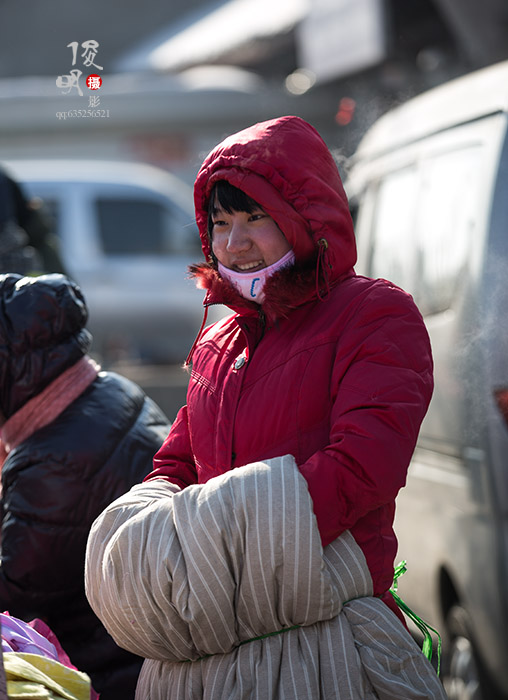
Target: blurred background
<point>111,167</point>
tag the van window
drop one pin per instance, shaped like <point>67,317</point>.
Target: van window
<point>393,253</point>
<point>445,224</point>
<point>423,226</point>
<point>141,227</point>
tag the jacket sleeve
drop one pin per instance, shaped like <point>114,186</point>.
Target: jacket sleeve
<point>378,406</point>
<point>174,461</point>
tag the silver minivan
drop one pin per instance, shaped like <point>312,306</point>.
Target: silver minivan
<point>429,193</point>
<point>127,234</point>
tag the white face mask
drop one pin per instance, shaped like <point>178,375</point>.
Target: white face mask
<point>251,284</point>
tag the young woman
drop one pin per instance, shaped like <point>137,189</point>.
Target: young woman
<point>316,365</point>
<point>316,361</point>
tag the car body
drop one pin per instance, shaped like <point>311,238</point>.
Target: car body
<point>429,192</point>
<point>127,234</point>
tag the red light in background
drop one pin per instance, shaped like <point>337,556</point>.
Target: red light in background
<point>346,111</point>
<point>501,396</point>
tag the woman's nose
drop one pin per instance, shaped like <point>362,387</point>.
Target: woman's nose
<point>238,239</point>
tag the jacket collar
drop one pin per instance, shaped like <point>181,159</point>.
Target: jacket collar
<point>286,290</point>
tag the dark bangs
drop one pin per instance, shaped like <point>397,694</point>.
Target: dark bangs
<point>230,199</point>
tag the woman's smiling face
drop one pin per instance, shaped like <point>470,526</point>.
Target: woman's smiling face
<point>246,241</point>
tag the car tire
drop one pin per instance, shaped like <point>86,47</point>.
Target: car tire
<point>465,677</point>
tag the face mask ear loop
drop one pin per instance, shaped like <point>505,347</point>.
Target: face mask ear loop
<point>321,266</point>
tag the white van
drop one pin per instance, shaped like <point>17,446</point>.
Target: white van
<point>429,193</point>
<point>127,234</point>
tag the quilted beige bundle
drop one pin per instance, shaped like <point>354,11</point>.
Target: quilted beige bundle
<point>226,591</point>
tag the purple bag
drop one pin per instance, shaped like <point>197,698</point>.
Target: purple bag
<point>34,637</point>
<point>20,636</point>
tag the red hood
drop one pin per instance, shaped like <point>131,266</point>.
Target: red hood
<point>287,168</point>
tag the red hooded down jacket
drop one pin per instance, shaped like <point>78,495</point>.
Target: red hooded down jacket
<point>334,368</point>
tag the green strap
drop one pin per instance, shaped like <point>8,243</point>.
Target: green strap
<point>252,639</point>
<point>423,626</point>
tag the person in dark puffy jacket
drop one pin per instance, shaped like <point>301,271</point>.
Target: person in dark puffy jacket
<point>73,439</point>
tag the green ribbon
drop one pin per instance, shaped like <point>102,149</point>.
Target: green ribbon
<point>424,627</point>
<point>252,639</point>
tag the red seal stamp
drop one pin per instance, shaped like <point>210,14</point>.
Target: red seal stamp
<point>93,82</point>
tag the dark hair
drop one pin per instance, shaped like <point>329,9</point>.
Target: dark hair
<point>230,199</point>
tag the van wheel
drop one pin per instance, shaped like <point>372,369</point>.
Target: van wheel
<point>465,678</point>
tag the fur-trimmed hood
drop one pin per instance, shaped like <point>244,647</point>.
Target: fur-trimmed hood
<point>285,166</point>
